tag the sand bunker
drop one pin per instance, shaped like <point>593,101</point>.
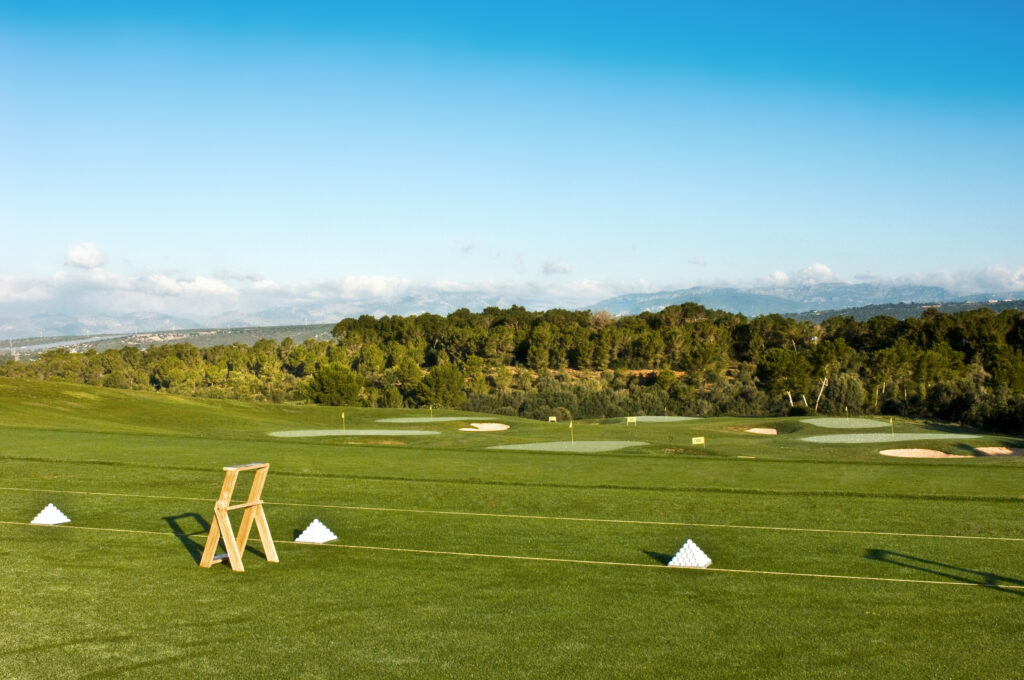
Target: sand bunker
<point>423,419</point>
<point>352,433</point>
<point>845,423</point>
<point>580,446</point>
<point>484,427</point>
<point>919,453</point>
<point>877,437</point>
<point>763,430</point>
<point>999,451</point>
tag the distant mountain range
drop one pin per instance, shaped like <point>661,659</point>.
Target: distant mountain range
<point>906,310</point>
<point>63,325</point>
<point>786,299</point>
<point>807,301</point>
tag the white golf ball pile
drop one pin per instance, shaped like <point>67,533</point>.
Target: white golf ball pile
<point>690,556</point>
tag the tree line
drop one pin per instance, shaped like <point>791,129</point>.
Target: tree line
<point>966,367</point>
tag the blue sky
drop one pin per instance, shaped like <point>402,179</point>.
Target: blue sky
<point>169,154</point>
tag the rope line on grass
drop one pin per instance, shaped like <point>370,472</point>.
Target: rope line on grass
<point>705,525</point>
<point>599,520</point>
<point>563,560</point>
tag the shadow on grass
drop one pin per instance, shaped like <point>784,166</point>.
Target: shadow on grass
<point>195,548</point>
<point>970,450</point>
<point>982,578</point>
<point>661,558</point>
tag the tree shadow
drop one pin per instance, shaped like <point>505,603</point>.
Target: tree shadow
<point>661,558</point>
<point>1016,447</point>
<point>985,579</point>
<point>963,449</point>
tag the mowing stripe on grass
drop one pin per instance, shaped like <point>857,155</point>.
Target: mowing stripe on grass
<point>556,518</point>
<point>563,560</point>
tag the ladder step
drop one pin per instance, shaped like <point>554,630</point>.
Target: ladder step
<point>244,505</point>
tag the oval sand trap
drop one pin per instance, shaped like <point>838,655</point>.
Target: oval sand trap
<point>484,427</point>
<point>351,433</point>
<point>845,423</point>
<point>581,446</point>
<point>877,437</point>
<point>763,430</point>
<point>919,453</point>
<point>999,451</point>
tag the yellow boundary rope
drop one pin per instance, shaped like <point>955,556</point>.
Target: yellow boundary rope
<point>745,527</point>
<point>561,560</point>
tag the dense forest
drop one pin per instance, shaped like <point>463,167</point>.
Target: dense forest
<point>966,367</point>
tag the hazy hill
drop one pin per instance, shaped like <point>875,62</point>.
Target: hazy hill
<point>906,310</point>
<point>824,299</point>
<point>200,337</point>
<point>778,299</point>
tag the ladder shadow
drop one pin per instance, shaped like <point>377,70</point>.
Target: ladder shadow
<point>985,579</point>
<point>195,549</point>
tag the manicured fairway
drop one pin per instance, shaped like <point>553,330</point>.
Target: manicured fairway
<point>455,559</point>
<point>352,433</point>
<point>845,423</point>
<point>879,438</point>
<point>582,446</point>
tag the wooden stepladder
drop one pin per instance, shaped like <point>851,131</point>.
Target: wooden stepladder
<point>220,528</point>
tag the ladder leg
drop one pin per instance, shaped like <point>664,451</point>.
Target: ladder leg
<point>234,556</point>
<point>254,495</point>
<point>264,531</point>
<point>212,539</point>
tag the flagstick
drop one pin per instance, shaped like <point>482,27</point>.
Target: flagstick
<point>343,421</point>
<point>572,437</point>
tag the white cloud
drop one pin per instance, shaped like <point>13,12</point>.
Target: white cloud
<point>552,268</point>
<point>161,284</point>
<point>237,276</point>
<point>24,290</point>
<point>86,256</point>
<point>992,279</point>
<point>808,276</point>
<point>467,248</point>
<point>697,260</point>
<point>86,287</point>
<point>816,273</point>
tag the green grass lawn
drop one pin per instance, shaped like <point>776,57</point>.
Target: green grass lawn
<point>455,559</point>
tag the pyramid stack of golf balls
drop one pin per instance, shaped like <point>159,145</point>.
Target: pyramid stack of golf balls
<point>690,556</point>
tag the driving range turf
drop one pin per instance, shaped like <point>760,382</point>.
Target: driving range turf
<point>455,559</point>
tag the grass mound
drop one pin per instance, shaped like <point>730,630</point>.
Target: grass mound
<point>427,419</point>
<point>581,446</point>
<point>876,437</point>
<point>845,423</point>
<point>663,419</point>
<point>352,433</point>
